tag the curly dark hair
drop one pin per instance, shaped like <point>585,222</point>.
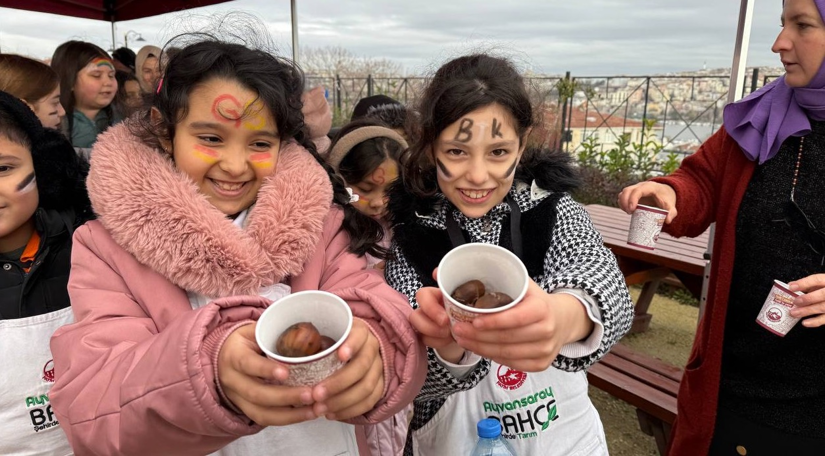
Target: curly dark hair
<point>459,87</point>
<point>278,83</point>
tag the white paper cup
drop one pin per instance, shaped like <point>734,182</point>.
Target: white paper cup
<point>331,316</point>
<point>775,315</point>
<point>496,267</point>
<point>645,225</point>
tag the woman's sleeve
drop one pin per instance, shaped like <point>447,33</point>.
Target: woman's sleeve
<point>578,260</point>
<point>697,184</point>
<point>125,385</point>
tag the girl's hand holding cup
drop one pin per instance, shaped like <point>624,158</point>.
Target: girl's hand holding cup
<point>649,194</point>
<point>355,388</point>
<point>527,337</point>
<point>430,320</point>
<point>249,380</point>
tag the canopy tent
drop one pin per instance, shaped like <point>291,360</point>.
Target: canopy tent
<point>126,10</point>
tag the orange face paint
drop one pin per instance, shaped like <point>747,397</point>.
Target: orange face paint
<point>262,160</point>
<point>206,154</point>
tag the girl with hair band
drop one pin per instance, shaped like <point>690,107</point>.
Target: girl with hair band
<point>366,153</point>
<point>468,177</point>
<point>210,206</point>
<point>36,84</point>
<point>87,89</point>
<point>746,390</point>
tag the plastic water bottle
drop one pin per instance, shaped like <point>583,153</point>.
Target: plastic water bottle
<point>490,442</point>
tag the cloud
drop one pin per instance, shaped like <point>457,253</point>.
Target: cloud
<point>590,37</point>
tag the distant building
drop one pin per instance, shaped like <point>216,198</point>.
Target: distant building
<point>584,123</point>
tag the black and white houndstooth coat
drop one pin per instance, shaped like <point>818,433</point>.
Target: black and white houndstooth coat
<point>561,249</point>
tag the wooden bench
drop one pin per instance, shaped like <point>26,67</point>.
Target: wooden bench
<point>682,259</point>
<point>648,384</point>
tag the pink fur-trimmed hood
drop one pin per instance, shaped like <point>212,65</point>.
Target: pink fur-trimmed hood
<point>156,213</point>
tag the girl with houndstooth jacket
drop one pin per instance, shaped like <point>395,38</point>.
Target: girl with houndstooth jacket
<point>468,178</point>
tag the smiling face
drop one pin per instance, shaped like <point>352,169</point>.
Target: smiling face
<point>476,158</point>
<point>801,43</point>
<point>49,110</point>
<point>96,86</point>
<point>18,195</point>
<point>227,144</point>
<point>372,190</point>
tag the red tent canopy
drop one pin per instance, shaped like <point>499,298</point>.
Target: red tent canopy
<point>107,10</point>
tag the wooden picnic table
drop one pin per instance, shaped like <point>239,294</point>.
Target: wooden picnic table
<point>682,258</point>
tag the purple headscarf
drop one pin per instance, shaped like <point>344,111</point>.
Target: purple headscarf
<point>761,122</point>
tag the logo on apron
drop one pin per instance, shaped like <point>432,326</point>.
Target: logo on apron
<point>48,371</point>
<point>510,379</point>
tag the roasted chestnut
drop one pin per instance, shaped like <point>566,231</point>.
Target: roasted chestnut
<point>300,339</point>
<point>468,292</point>
<point>326,342</point>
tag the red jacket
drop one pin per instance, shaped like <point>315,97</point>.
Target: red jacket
<point>710,185</point>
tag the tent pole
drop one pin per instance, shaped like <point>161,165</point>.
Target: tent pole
<point>114,43</point>
<point>294,10</point>
<point>737,71</point>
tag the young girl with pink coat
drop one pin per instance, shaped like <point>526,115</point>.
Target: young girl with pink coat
<point>212,206</point>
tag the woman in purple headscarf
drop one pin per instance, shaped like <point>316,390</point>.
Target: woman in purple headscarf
<point>761,179</point>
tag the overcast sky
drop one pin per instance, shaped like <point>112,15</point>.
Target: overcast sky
<point>586,37</point>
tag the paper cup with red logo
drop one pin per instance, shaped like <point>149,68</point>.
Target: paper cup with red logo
<point>497,268</point>
<point>775,315</point>
<point>331,316</point>
<point>645,225</point>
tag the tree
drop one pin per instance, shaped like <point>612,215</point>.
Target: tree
<point>329,61</point>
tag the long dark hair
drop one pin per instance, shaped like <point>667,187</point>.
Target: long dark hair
<point>277,81</point>
<point>459,87</point>
<point>68,59</point>
<point>361,161</point>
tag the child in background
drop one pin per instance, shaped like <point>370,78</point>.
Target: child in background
<point>36,84</point>
<point>87,89</point>
<point>42,200</point>
<point>129,98</point>
<point>469,177</point>
<point>211,206</point>
<point>385,110</point>
<point>366,155</point>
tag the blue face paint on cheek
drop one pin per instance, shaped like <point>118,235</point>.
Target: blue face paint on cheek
<point>28,184</point>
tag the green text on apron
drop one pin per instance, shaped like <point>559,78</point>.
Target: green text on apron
<point>29,424</point>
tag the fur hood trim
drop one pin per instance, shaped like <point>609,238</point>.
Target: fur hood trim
<point>156,213</point>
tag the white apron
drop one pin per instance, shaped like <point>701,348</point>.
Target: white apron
<point>319,437</point>
<point>26,416</point>
<point>545,413</point>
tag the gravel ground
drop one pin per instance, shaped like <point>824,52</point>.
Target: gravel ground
<point>669,338</point>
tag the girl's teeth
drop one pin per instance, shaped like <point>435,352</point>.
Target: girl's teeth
<point>475,194</point>
<point>229,187</point>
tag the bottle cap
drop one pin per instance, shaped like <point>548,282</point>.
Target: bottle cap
<point>489,428</point>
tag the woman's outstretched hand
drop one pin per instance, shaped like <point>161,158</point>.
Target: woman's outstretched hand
<point>650,194</point>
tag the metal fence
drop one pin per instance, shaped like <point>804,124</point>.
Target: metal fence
<point>683,110</point>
